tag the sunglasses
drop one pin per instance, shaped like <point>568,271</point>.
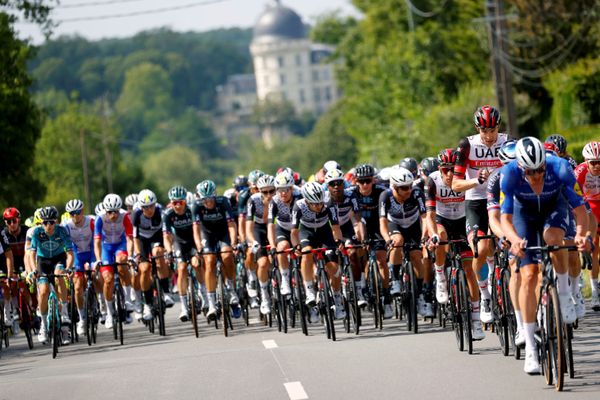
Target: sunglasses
<point>178,202</point>
<point>266,192</point>
<point>148,207</point>
<point>402,188</point>
<point>364,181</point>
<point>75,212</point>
<point>594,163</point>
<point>112,212</point>
<point>11,221</point>
<point>51,222</point>
<point>488,130</point>
<point>336,183</point>
<point>539,170</point>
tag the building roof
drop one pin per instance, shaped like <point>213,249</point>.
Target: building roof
<point>277,22</point>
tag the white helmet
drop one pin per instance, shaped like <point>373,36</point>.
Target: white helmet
<point>530,153</point>
<point>112,202</point>
<point>284,180</point>
<point>591,151</point>
<point>230,193</point>
<point>334,175</point>
<point>401,177</point>
<point>146,198</point>
<point>384,173</point>
<point>131,199</point>
<point>74,205</point>
<point>265,181</point>
<point>313,193</point>
<point>99,209</point>
<point>329,165</point>
<point>190,197</point>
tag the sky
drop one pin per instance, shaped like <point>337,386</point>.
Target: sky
<point>77,16</point>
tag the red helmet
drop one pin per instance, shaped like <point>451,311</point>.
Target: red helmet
<point>447,157</point>
<point>550,146</point>
<point>487,117</point>
<point>11,213</point>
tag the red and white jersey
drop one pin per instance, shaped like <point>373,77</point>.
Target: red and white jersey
<point>590,187</point>
<point>82,235</point>
<point>440,198</point>
<point>113,232</point>
<point>473,155</point>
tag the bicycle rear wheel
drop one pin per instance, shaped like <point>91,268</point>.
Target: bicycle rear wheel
<point>456,316</point>
<point>300,299</point>
<point>192,300</point>
<point>161,309</point>
<point>465,309</point>
<point>374,283</point>
<point>89,312</point>
<point>352,300</point>
<point>224,303</point>
<point>54,326</point>
<point>509,312</point>
<point>412,292</point>
<point>568,341</point>
<point>73,314</point>
<point>327,306</point>
<point>120,303</point>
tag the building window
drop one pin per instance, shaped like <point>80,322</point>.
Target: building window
<point>298,59</point>
<point>315,76</point>
<point>317,94</point>
<point>328,93</point>
<point>326,74</point>
<point>300,77</point>
<point>266,80</point>
<point>302,98</point>
<point>282,79</point>
<point>280,61</point>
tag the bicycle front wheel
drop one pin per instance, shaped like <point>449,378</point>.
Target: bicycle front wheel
<point>465,309</point>
<point>556,350</point>
<point>192,299</point>
<point>120,303</point>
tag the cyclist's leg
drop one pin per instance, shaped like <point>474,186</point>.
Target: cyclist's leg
<point>44,266</point>
<point>210,278</point>
<point>307,264</point>
<point>477,223</point>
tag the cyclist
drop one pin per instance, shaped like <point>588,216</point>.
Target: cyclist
<point>537,189</point>
<point>588,177</point>
<point>15,234</point>
<point>401,212</point>
<point>560,144</point>
<point>112,243</point>
<point>148,241</point>
<point>477,160</point>
<point>367,194</point>
<point>54,254</point>
<point>243,198</point>
<point>215,231</point>
<point>130,203</point>
<point>256,232</point>
<point>6,269</point>
<point>350,224</point>
<point>80,228</point>
<point>315,225</point>
<point>280,223</point>
<point>178,236</point>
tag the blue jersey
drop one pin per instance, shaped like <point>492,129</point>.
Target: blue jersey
<point>49,246</point>
<point>559,179</point>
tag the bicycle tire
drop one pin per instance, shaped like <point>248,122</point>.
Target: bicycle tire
<point>413,299</point>
<point>292,301</point>
<point>274,283</point>
<point>54,327</point>
<point>72,308</point>
<point>556,345</point>
<point>120,303</point>
<point>95,316</point>
<point>375,294</point>
<point>500,322</point>
<point>454,303</point>
<point>352,302</point>
<point>161,307</point>
<point>192,303</point>
<point>298,286</point>
<point>465,309</point>
<point>568,340</point>
<point>25,317</point>
<point>90,316</point>
<point>224,302</point>
<point>327,305</point>
<point>509,311</point>
<point>1,325</point>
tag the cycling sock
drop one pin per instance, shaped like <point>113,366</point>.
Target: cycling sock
<point>127,293</point>
<point>264,285</point>
<point>529,328</point>
<point>184,302</point>
<point>483,289</point>
<point>45,321</point>
<point>164,284</point>
<point>475,311</point>
<point>110,307</point>
<point>574,284</point>
<point>563,283</point>
<point>212,298</point>
<point>64,308</point>
<point>148,294</point>
<point>439,270</point>
<point>251,275</point>
<point>519,318</point>
<point>308,286</point>
<point>594,284</point>
<point>81,312</point>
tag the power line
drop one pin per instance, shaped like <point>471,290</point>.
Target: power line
<point>95,3</point>
<point>425,14</point>
<point>145,12</point>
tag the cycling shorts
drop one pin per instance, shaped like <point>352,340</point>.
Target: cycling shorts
<point>476,217</point>
<point>260,235</point>
<point>348,233</point>
<point>411,235</point>
<point>282,235</point>
<point>147,244</point>
<point>318,237</point>
<point>455,230</point>
<point>110,251</point>
<point>572,226</point>
<point>82,258</point>
<point>214,243</point>
<point>48,265</point>
<point>183,251</point>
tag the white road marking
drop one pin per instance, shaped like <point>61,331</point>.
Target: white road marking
<point>295,391</point>
<point>269,344</point>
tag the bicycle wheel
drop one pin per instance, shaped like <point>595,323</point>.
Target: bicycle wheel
<point>509,312</point>
<point>25,317</point>
<point>73,314</point>
<point>54,326</point>
<point>465,309</point>
<point>353,302</point>
<point>275,281</point>
<point>89,312</point>
<point>556,351</point>
<point>375,294</point>
<point>120,303</point>
<point>224,302</point>
<point>292,302</point>
<point>412,292</point>
<point>454,305</point>
<point>298,285</point>
<point>568,341</point>
<point>192,299</point>
<point>161,307</point>
<point>500,322</point>
<point>328,305</point>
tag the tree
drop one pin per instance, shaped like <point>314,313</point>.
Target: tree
<point>176,165</point>
<point>331,28</point>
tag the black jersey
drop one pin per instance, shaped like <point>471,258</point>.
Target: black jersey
<point>213,221</point>
<point>4,246</point>
<point>280,213</point>
<point>243,201</point>
<point>144,227</point>
<point>349,203</point>
<point>403,214</point>
<point>17,246</point>
<point>256,209</point>
<point>180,226</point>
<point>302,215</point>
<point>369,207</point>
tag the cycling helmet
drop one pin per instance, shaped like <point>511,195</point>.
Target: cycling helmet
<point>329,165</point>
<point>507,151</point>
<point>206,189</point>
<point>550,148</point>
<point>190,197</point>
<point>74,205</point>
<point>177,193</point>
<point>364,171</point>
<point>429,165</point>
<point>11,213</point>
<point>146,198</point>
<point>313,193</point>
<point>229,193</point>
<point>131,199</point>
<point>112,202</point>
<point>297,179</point>
<point>99,209</point>
<point>284,169</point>
<point>265,181</point>
<point>591,151</point>
<point>240,182</point>
<point>49,213</point>
<point>254,175</point>
<point>384,175</point>
<point>284,180</point>
<point>559,141</point>
<point>334,175</point>
<point>410,164</point>
<point>487,117</point>
<point>447,157</point>
<point>401,177</point>
<point>530,153</point>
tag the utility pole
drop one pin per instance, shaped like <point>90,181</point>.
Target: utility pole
<point>84,165</point>
<point>502,75</point>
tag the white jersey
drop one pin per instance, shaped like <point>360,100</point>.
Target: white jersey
<point>440,198</point>
<point>82,236</point>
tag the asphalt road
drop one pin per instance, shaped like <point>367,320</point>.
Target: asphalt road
<point>257,362</point>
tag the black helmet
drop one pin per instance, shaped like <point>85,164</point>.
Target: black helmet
<point>240,182</point>
<point>429,165</point>
<point>364,171</point>
<point>410,164</point>
<point>49,213</point>
<point>486,117</point>
<point>559,141</point>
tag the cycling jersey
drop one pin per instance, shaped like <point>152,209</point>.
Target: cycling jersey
<point>180,226</point>
<point>243,198</point>
<point>144,227</point>
<point>441,199</point>
<point>403,214</point>
<point>474,155</point>
<point>302,216</point>
<point>256,210</point>
<point>113,232</point>
<point>17,246</point>
<point>213,221</point>
<point>82,235</point>
<point>49,246</point>
<point>348,204</point>
<point>369,208</point>
<point>590,186</point>
<point>28,237</point>
<point>280,213</point>
<point>4,246</point>
<point>571,161</point>
<point>494,194</point>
